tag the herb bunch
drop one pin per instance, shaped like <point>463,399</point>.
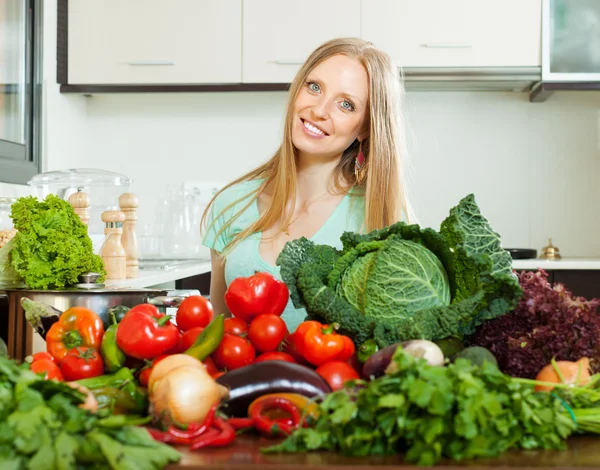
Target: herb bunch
<point>43,428</point>
<point>461,411</point>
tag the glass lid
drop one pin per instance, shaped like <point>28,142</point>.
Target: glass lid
<point>80,177</point>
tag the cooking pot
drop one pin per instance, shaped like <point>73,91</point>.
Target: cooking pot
<point>20,333</point>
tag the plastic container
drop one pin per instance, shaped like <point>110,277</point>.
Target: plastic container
<point>103,188</point>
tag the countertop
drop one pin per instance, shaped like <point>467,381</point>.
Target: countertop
<point>583,451</point>
<point>153,277</point>
<point>562,264</point>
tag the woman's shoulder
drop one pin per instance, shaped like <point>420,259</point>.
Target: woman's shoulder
<point>238,192</point>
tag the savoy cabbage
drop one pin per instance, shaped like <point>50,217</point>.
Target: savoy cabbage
<point>405,282</point>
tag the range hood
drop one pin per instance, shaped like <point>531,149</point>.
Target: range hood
<point>570,47</point>
<point>471,78</point>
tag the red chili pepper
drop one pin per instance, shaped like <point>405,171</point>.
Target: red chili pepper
<point>274,427</point>
<point>240,423</point>
<point>247,297</point>
<point>161,436</point>
<point>224,436</point>
<point>194,430</point>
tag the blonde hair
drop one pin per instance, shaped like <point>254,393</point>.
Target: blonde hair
<point>383,188</point>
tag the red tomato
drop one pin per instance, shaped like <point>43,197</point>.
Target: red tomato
<point>236,326</point>
<point>190,337</point>
<point>337,373</point>
<point>211,368</point>
<point>266,332</point>
<point>276,356</point>
<point>195,310</point>
<point>233,352</point>
<point>82,363</point>
<point>42,355</point>
<point>145,373</point>
<point>292,347</point>
<point>48,368</point>
<point>178,348</point>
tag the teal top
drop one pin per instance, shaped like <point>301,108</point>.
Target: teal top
<point>245,259</point>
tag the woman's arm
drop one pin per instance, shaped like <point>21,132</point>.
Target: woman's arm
<point>217,284</point>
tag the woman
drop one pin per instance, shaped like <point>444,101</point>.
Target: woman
<point>338,169</point>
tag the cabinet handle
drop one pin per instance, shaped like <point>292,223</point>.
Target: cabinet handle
<point>151,62</point>
<point>446,45</point>
<point>286,62</point>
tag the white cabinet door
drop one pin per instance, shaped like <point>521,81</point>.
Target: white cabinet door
<point>455,33</point>
<point>279,35</point>
<point>155,41</point>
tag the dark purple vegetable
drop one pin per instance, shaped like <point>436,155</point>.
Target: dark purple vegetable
<point>250,382</point>
<point>39,315</point>
<point>377,363</point>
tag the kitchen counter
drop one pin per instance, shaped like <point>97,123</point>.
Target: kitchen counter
<point>583,451</point>
<point>153,276</point>
<point>562,264</point>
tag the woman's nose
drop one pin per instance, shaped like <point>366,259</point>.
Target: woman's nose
<point>321,109</point>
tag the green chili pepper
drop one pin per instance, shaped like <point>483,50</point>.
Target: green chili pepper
<point>120,400</point>
<point>208,340</point>
<point>113,357</point>
<point>118,379</point>
<point>366,350</point>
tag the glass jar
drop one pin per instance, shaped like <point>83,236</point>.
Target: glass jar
<point>5,220</point>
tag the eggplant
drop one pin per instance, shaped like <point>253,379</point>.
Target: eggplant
<point>39,315</point>
<point>376,364</point>
<point>248,383</point>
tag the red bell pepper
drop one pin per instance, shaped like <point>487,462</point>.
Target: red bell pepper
<point>320,343</point>
<point>248,297</point>
<point>145,333</point>
<point>76,327</point>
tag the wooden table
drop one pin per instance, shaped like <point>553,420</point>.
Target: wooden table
<point>583,451</point>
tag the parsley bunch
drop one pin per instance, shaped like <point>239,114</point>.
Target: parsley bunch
<point>43,428</point>
<point>461,411</point>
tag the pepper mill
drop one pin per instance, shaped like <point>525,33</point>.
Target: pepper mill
<point>112,251</point>
<point>81,202</point>
<point>129,203</point>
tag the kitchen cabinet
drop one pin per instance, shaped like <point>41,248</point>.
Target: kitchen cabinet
<point>457,33</point>
<point>154,42</point>
<point>581,282</point>
<point>278,37</point>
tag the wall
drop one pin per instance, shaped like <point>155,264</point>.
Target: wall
<point>532,167</point>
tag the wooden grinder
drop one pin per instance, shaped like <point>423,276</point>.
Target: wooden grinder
<point>112,251</point>
<point>81,203</point>
<point>129,203</point>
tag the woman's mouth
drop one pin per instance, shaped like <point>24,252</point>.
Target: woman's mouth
<point>313,130</point>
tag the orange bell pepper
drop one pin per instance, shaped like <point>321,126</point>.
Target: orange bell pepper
<point>77,326</point>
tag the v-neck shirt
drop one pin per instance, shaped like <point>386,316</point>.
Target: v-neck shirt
<point>245,259</point>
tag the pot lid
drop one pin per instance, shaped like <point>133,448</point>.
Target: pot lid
<point>80,177</point>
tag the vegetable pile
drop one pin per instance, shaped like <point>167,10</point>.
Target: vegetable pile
<point>460,411</point>
<point>549,322</point>
<point>51,247</point>
<point>43,426</point>
<point>404,282</point>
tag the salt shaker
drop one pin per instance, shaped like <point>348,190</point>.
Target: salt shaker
<point>129,203</point>
<point>112,253</point>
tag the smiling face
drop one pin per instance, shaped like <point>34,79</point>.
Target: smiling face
<point>331,108</point>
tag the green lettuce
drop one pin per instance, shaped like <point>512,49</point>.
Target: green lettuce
<point>405,282</point>
<point>52,247</point>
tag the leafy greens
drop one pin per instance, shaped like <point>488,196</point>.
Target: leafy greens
<point>51,247</point>
<point>405,282</point>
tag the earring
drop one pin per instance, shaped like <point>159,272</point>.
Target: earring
<point>359,165</point>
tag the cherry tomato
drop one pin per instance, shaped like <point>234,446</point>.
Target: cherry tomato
<point>190,337</point>
<point>337,373</point>
<point>42,355</point>
<point>266,332</point>
<point>276,356</point>
<point>236,326</point>
<point>48,368</point>
<point>233,352</point>
<point>211,368</point>
<point>145,372</point>
<point>195,310</point>
<point>82,363</point>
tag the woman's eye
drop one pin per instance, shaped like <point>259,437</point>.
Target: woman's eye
<point>314,87</point>
<point>348,105</point>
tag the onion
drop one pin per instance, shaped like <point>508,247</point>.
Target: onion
<point>185,395</point>
<point>421,348</point>
<point>170,363</point>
